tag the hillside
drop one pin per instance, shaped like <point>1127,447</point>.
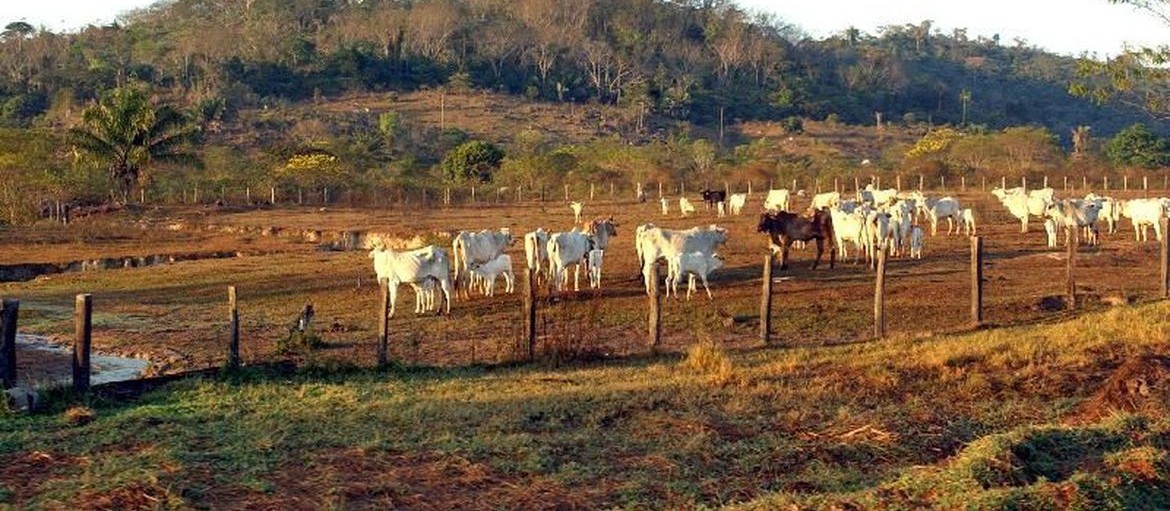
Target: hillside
<point>674,61</point>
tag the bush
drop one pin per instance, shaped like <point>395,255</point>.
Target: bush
<point>475,160</point>
<point>299,341</point>
<point>792,125</point>
<point>1137,146</point>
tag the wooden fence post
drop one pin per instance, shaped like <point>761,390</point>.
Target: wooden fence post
<point>1066,183</point>
<point>1125,182</point>
<point>1003,182</point>
<point>963,183</point>
<point>1071,288</point>
<point>766,300</point>
<point>1165,259</point>
<point>660,189</point>
<point>976,281</point>
<point>655,320</point>
<point>473,194</point>
<point>1084,183</point>
<point>233,361</point>
<point>591,190</point>
<point>749,187</point>
<point>530,313</point>
<point>566,193</point>
<point>898,181</point>
<point>879,297</point>
<point>1024,182</point>
<point>610,190</point>
<point>836,185</point>
<point>384,323</point>
<point>920,181</point>
<point>9,310</point>
<point>83,335</point>
<point>1045,180</point>
<point>1105,183</point>
<point>942,182</point>
<point>856,185</point>
<point>983,184</point>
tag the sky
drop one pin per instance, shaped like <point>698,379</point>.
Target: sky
<point>1067,27</point>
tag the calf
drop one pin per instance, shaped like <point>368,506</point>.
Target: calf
<point>825,200</point>
<point>711,197</point>
<point>665,206</point>
<point>736,203</point>
<point>477,247</point>
<point>653,243</point>
<point>685,208</point>
<point>691,264</point>
<point>968,222</point>
<point>595,258</point>
<point>777,200</point>
<point>917,240</point>
<point>565,249</point>
<point>577,207</point>
<point>487,273</point>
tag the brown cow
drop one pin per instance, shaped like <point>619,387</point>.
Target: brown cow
<point>783,228</point>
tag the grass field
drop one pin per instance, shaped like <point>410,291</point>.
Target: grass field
<point>824,417</point>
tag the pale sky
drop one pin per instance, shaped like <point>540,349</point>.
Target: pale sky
<point>1067,27</point>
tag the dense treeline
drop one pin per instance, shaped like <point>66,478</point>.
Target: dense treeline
<point>688,60</point>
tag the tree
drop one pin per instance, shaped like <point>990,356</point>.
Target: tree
<point>1138,76</point>
<point>1137,146</point>
<point>129,134</point>
<point>472,160</point>
<point>1081,135</point>
<point>965,98</point>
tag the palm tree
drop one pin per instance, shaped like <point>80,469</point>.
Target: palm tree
<point>127,132</point>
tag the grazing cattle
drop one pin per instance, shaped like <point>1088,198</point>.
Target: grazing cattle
<point>487,273</point>
<point>826,200</point>
<point>577,207</point>
<point>565,249</point>
<point>1022,206</point>
<point>1144,213</point>
<point>917,240</point>
<point>595,258</point>
<point>848,228</point>
<point>413,267</point>
<point>665,206</point>
<point>946,207</point>
<point>477,247</point>
<point>783,228</point>
<point>877,197</point>
<point>968,216</point>
<point>602,229</point>
<point>1050,232</point>
<point>711,197</point>
<point>685,208</point>
<point>877,234</point>
<point>1074,215</point>
<point>536,249</point>
<point>777,200</point>
<point>689,265</point>
<point>653,243</point>
<point>736,202</point>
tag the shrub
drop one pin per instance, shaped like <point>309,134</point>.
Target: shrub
<point>474,160</point>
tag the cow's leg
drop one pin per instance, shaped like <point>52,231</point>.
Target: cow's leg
<point>577,277</point>
<point>820,251</point>
<point>784,254</point>
<point>392,288</point>
<point>709,297</point>
<point>445,285</point>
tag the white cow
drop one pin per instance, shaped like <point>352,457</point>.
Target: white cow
<point>1144,213</point>
<point>777,200</point>
<point>487,273</point>
<point>721,209</point>
<point>736,202</point>
<point>1110,211</point>
<point>946,207</point>
<point>577,207</point>
<point>477,247</point>
<point>877,234</point>
<point>413,267</point>
<point>685,208</point>
<point>1050,232</point>
<point>826,200</point>
<point>1075,215</point>
<point>1022,206</point>
<point>877,197</point>
<point>595,258</point>
<point>653,243</point>
<point>968,216</point>
<point>901,221</point>
<point>665,206</point>
<point>690,264</point>
<point>536,249</point>
<point>848,227</point>
<point>565,249</point>
<point>917,240</point>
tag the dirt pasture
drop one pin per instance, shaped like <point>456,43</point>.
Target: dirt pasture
<point>176,314</point>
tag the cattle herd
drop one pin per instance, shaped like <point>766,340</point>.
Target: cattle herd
<point>873,221</point>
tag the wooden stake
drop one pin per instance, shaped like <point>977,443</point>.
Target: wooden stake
<point>1071,288</point>
<point>83,336</point>
<point>1165,259</point>
<point>655,319</point>
<point>766,300</point>
<point>976,281</point>
<point>233,361</point>
<point>9,310</point>
<point>384,323</point>
<point>530,312</point>
<point>879,297</point>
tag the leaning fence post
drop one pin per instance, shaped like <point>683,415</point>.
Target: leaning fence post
<point>233,361</point>
<point>530,313</point>
<point>879,297</point>
<point>1071,288</point>
<point>655,319</point>
<point>9,310</point>
<point>976,281</point>
<point>1165,259</point>
<point>383,322</point>
<point>766,300</point>
<point>83,330</point>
